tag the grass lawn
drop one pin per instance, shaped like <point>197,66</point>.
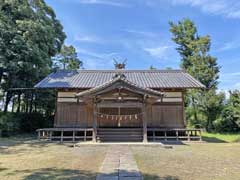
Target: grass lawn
<point>196,161</point>
<point>28,159</point>
<point>217,137</point>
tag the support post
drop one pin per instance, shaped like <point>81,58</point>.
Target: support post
<point>94,134</point>
<point>73,136</point>
<point>145,139</point>
<point>61,139</point>
<point>165,135</point>
<point>85,135</point>
<point>50,135</point>
<point>188,135</point>
<point>39,135</point>
<point>154,139</point>
<point>177,138</point>
<point>200,134</point>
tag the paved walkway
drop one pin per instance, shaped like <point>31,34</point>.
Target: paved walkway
<point>119,164</point>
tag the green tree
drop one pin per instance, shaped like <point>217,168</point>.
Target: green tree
<point>196,60</point>
<point>230,120</point>
<point>30,35</point>
<point>67,58</point>
<point>152,67</point>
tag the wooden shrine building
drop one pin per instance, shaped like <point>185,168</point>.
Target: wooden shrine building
<point>119,105</point>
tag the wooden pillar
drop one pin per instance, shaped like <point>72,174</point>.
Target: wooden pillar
<point>39,135</point>
<point>94,134</point>
<point>165,135</point>
<point>85,135</point>
<point>177,137</point>
<point>154,135</point>
<point>145,123</point>
<point>50,135</point>
<point>200,135</point>
<point>73,139</point>
<point>61,139</point>
<point>188,134</point>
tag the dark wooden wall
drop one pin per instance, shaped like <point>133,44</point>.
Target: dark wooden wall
<point>73,115</point>
<point>166,114</point>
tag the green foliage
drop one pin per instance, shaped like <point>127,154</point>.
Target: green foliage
<point>194,52</point>
<point>30,35</point>
<point>152,67</point>
<point>13,123</point>
<point>221,137</point>
<point>67,58</point>
<point>230,120</point>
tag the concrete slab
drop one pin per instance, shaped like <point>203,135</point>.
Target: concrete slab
<point>119,163</point>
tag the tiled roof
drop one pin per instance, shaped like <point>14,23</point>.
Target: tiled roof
<point>121,81</point>
<point>143,78</point>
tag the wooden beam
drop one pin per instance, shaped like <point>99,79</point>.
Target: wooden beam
<point>117,104</point>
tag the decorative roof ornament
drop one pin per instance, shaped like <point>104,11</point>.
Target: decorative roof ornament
<point>118,65</point>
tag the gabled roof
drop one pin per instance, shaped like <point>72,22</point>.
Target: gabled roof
<point>145,78</point>
<point>119,81</point>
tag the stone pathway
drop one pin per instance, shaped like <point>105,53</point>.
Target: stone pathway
<point>119,164</point>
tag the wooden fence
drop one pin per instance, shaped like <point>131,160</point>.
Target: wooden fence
<point>65,134</point>
<point>158,134</point>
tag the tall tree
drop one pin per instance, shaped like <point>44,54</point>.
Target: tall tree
<point>67,58</point>
<point>230,121</point>
<point>30,35</point>
<point>196,60</point>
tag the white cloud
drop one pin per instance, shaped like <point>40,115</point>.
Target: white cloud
<point>160,52</point>
<point>237,85</point>
<point>141,33</point>
<point>229,46</point>
<point>227,8</point>
<point>230,76</point>
<point>94,60</point>
<point>86,38</point>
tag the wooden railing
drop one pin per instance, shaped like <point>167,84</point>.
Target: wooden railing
<point>65,134</point>
<point>158,134</point>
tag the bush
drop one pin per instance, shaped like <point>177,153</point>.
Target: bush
<point>15,123</point>
<point>228,122</point>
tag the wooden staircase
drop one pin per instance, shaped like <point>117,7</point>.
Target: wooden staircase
<point>120,134</point>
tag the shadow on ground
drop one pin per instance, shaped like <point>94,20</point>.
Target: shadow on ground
<point>29,142</point>
<point>212,140</point>
<point>173,143</point>
<point>70,174</point>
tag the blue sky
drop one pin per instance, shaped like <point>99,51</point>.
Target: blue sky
<point>138,30</point>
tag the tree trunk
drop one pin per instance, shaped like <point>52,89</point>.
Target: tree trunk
<point>27,103</point>
<point>1,75</point>
<point>194,110</point>
<point>8,99</point>
<point>19,102</point>
<point>13,103</point>
<point>31,103</point>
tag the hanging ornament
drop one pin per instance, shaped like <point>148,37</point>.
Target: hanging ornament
<point>101,115</point>
<point>135,116</point>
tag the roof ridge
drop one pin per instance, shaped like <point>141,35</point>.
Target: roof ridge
<point>124,70</point>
